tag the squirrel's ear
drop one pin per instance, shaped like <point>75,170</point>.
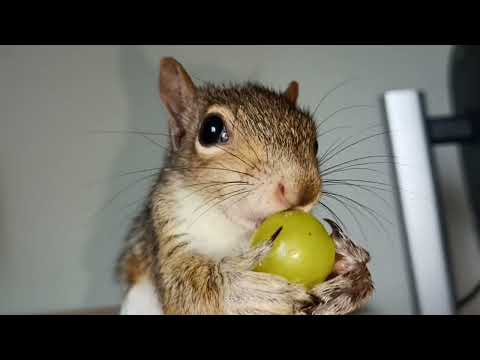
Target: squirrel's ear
<point>178,93</point>
<point>292,92</point>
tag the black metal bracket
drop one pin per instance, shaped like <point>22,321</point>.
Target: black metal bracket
<point>454,129</point>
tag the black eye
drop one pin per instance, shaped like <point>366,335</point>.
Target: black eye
<point>213,131</point>
<point>316,146</point>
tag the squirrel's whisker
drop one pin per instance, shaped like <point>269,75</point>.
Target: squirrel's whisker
<point>374,215</point>
<point>333,214</point>
<point>360,228</point>
<point>351,145</point>
<point>329,92</point>
<point>223,198</point>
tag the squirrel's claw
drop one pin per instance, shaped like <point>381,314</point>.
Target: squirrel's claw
<point>351,285</point>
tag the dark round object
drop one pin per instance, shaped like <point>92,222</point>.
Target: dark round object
<point>213,131</point>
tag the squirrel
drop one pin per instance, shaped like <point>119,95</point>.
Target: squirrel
<point>237,154</point>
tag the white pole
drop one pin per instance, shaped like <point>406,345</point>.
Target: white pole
<point>419,202</point>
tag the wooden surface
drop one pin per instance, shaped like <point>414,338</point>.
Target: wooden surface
<point>112,310</point>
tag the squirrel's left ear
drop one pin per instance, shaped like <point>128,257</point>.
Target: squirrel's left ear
<point>292,92</point>
<point>178,93</point>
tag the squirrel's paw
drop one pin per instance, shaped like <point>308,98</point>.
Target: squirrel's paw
<point>350,286</point>
<point>249,292</point>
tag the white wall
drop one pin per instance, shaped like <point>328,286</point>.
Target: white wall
<point>57,244</point>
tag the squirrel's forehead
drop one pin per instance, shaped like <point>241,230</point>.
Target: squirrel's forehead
<point>262,111</point>
<point>278,120</point>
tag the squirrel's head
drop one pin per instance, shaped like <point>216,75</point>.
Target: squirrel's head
<point>247,150</point>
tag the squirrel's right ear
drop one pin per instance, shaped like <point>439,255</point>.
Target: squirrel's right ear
<point>292,92</point>
<point>178,93</point>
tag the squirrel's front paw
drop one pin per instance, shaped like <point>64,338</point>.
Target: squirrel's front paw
<point>351,285</point>
<point>343,294</point>
<point>249,292</point>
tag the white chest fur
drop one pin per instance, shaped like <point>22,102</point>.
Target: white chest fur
<point>141,300</point>
<point>211,233</point>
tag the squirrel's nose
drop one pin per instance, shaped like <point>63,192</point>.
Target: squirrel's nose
<point>296,197</point>
<point>281,195</point>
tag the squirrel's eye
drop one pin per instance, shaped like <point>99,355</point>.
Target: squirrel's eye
<point>213,131</point>
<point>316,146</point>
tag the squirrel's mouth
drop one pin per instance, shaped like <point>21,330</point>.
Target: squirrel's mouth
<point>256,222</point>
<point>259,222</point>
<point>251,223</point>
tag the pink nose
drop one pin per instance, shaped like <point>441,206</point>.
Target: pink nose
<point>290,197</point>
<point>281,193</point>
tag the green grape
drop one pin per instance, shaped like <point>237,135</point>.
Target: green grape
<point>303,252</point>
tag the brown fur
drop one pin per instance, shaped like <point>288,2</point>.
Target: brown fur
<point>270,135</point>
